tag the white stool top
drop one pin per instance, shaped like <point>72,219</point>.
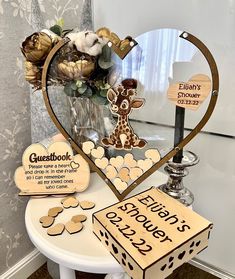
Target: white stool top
<point>81,251</point>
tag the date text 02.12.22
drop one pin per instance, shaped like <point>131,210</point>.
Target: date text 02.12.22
<point>129,233</point>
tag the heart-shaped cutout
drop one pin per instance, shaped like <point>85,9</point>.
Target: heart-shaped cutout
<point>130,266</point>
<point>101,165</point>
<point>181,255</point>
<point>72,227</point>
<point>56,230</point>
<point>135,173</point>
<point>190,94</point>
<point>117,162</point>
<point>97,152</point>
<point>54,211</point>
<point>153,154</point>
<point>115,249</point>
<point>129,160</point>
<point>70,202</point>
<point>111,172</point>
<point>79,218</point>
<point>46,221</point>
<point>124,174</point>
<point>120,185</point>
<point>85,205</point>
<point>163,267</point>
<point>120,47</point>
<point>87,147</point>
<point>145,164</point>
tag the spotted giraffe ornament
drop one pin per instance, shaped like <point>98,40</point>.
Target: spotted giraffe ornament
<point>122,100</point>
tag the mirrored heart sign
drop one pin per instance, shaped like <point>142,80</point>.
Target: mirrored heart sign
<point>115,101</point>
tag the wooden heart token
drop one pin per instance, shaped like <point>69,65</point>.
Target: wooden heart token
<point>56,230</point>
<point>46,221</point>
<point>153,154</point>
<point>87,147</point>
<point>64,199</point>
<point>79,218</point>
<point>124,174</point>
<point>135,173</point>
<point>117,162</point>
<point>190,94</point>
<point>72,227</point>
<point>54,211</point>
<point>145,164</point>
<point>70,202</point>
<point>102,163</point>
<point>120,185</point>
<point>98,153</point>
<point>111,172</point>
<point>85,205</point>
<point>129,160</point>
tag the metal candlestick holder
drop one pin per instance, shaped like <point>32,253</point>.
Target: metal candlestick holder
<point>177,171</point>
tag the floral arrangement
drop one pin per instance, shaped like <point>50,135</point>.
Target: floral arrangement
<point>84,66</point>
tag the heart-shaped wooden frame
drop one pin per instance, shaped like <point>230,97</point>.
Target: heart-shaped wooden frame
<point>214,94</point>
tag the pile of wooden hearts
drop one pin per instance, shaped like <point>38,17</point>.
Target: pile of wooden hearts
<point>74,225</point>
<point>122,171</point>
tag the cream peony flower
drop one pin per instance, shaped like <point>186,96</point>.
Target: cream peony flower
<point>87,42</point>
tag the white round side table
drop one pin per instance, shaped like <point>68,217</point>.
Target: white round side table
<point>81,251</point>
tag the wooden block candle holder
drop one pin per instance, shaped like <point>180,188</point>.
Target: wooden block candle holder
<point>151,234</point>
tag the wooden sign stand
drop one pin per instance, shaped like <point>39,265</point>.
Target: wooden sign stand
<point>151,233</point>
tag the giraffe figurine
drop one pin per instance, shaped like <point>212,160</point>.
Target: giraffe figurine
<point>122,101</point>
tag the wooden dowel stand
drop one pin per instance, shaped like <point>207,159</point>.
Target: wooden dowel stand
<point>179,132</point>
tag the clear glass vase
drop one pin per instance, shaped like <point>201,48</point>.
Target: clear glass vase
<point>88,121</point>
